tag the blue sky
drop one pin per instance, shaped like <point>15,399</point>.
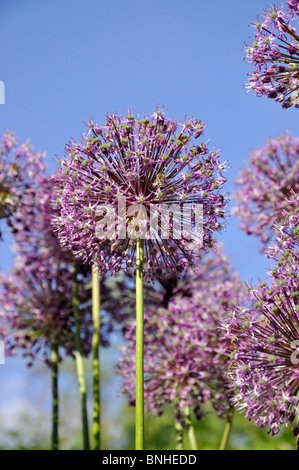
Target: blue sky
<point>65,62</point>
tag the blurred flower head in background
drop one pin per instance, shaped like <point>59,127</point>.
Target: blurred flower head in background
<point>37,295</point>
<point>268,187</point>
<point>20,169</point>
<point>36,306</point>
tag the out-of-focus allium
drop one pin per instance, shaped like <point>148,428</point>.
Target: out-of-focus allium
<point>20,169</point>
<point>35,237</point>
<point>36,240</point>
<point>37,299</point>
<point>274,55</point>
<point>36,302</point>
<point>265,338</point>
<point>293,5</point>
<point>268,187</point>
<point>185,355</point>
<point>150,162</point>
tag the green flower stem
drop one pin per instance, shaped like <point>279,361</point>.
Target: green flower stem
<point>139,436</point>
<point>297,438</point>
<point>55,397</point>
<point>79,361</point>
<point>179,434</point>
<point>189,428</point>
<point>227,429</point>
<point>96,430</point>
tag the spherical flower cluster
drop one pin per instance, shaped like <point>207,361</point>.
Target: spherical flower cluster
<point>45,269</point>
<point>268,187</point>
<point>265,338</point>
<point>37,308</point>
<point>274,55</point>
<point>36,298</point>
<point>114,183</point>
<point>185,355</point>
<point>20,169</point>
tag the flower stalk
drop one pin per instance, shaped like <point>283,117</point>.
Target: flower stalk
<point>139,347</point>
<point>79,361</point>
<point>227,430</point>
<point>190,428</point>
<point>55,396</point>
<point>96,359</point>
<point>179,434</point>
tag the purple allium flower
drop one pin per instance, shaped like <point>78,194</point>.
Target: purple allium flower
<point>36,301</point>
<point>149,161</point>
<point>268,187</point>
<point>265,338</point>
<point>294,5</point>
<point>36,305</point>
<point>184,347</point>
<point>20,169</point>
<point>274,55</point>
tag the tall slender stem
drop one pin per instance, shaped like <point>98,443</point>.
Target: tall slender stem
<point>79,360</point>
<point>189,428</point>
<point>179,434</point>
<point>227,429</point>
<point>139,436</point>
<point>96,430</point>
<point>55,396</point>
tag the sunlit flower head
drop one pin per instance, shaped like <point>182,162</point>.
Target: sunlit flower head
<point>115,183</point>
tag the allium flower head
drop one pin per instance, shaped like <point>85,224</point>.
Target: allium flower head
<point>36,296</point>
<point>268,187</point>
<point>148,162</point>
<point>265,338</point>
<point>20,169</point>
<point>274,55</point>
<point>37,309</point>
<point>185,355</point>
